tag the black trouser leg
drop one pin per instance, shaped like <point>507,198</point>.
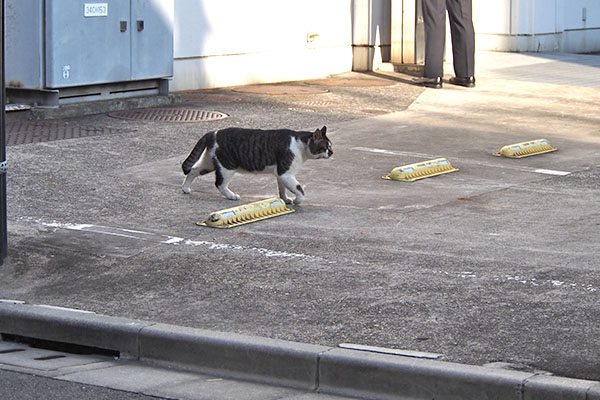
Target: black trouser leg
<point>434,17</point>
<point>463,37</point>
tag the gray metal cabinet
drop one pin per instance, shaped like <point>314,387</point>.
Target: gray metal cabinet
<point>84,50</point>
<point>84,46</point>
<point>151,33</point>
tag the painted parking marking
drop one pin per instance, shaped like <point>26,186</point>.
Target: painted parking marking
<point>168,239</point>
<point>393,153</point>
<point>551,172</point>
<point>463,161</point>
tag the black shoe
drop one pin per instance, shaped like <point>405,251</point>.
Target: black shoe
<point>466,82</point>
<point>435,83</point>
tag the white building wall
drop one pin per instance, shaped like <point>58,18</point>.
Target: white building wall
<point>221,43</point>
<point>537,25</point>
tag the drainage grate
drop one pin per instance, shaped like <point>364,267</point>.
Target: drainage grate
<point>62,347</point>
<point>169,115</point>
<point>25,132</point>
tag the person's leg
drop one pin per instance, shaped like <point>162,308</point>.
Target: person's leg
<point>434,18</point>
<point>463,37</point>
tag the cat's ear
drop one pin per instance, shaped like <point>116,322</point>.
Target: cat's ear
<point>319,134</point>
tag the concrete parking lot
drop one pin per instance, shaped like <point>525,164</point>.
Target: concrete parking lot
<point>495,263</point>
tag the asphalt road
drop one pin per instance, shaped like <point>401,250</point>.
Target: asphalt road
<point>20,386</point>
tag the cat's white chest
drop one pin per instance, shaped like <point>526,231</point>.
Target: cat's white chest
<point>298,148</point>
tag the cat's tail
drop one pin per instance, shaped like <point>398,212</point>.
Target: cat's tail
<point>195,154</point>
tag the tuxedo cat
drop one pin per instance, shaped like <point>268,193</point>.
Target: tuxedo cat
<point>280,151</point>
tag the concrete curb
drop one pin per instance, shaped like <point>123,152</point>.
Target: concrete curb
<point>94,107</point>
<point>238,356</point>
<point>304,366</point>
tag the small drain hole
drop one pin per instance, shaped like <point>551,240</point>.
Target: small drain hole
<point>49,358</point>
<point>56,346</point>
<point>11,351</point>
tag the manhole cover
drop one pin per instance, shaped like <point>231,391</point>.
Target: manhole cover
<point>24,132</point>
<point>279,90</point>
<point>351,82</point>
<point>169,115</point>
<point>208,98</point>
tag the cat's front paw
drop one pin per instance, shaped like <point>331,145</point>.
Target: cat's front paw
<point>287,200</point>
<point>233,196</point>
<point>298,200</point>
<point>186,186</point>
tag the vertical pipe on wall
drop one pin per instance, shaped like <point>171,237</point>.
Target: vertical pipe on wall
<point>371,33</point>
<point>362,50</point>
<point>532,26</point>
<point>407,35</point>
<point>396,28</point>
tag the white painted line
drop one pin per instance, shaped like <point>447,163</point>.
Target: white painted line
<point>112,234</point>
<point>74,227</point>
<point>463,161</point>
<point>167,239</point>
<point>551,172</point>
<point>7,301</point>
<point>385,350</point>
<point>222,246</point>
<point>588,287</point>
<point>394,153</point>
<point>134,231</point>
<point>173,240</point>
<point>95,229</point>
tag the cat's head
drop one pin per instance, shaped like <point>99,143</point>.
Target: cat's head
<point>319,145</point>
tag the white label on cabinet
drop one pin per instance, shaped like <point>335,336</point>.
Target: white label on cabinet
<point>95,10</point>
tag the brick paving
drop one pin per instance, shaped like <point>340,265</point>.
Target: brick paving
<point>25,132</point>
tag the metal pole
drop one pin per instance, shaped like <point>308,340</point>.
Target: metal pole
<point>3,166</point>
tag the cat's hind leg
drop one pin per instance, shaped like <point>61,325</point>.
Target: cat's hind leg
<point>223,177</point>
<point>189,178</point>
<point>202,167</point>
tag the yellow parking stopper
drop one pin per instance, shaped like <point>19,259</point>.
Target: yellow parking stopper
<point>246,213</point>
<point>416,171</point>
<point>526,149</point>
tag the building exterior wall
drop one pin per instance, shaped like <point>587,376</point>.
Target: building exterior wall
<point>232,42</point>
<point>537,25</point>
<point>236,42</point>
